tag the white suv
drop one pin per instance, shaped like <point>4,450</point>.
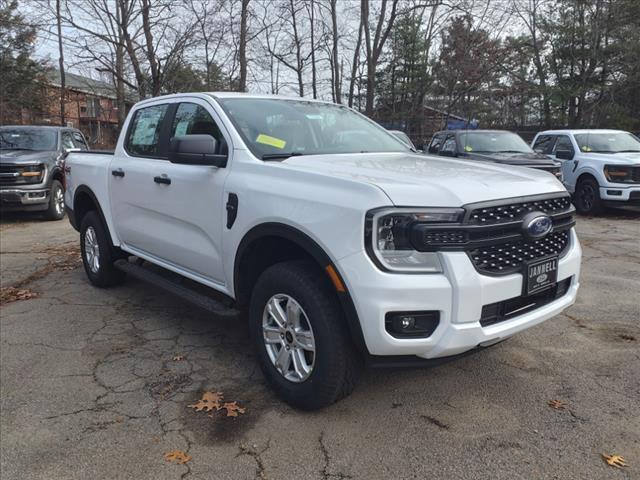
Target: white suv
<point>598,166</point>
<point>341,243</point>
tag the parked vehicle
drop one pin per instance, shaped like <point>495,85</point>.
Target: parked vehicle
<point>31,175</point>
<point>342,243</point>
<point>403,137</point>
<point>496,146</point>
<point>599,166</point>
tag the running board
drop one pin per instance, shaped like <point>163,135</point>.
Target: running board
<point>158,280</point>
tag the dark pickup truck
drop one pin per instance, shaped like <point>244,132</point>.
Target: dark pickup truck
<point>31,167</point>
<point>497,146</point>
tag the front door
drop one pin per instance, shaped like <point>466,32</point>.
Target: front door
<point>169,212</point>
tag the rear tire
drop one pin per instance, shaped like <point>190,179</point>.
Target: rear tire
<point>329,370</point>
<point>587,197</point>
<point>56,202</point>
<point>98,254</point>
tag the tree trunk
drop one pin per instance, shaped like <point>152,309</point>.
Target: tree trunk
<point>156,82</point>
<point>119,80</point>
<point>354,65</point>
<point>61,63</point>
<point>242,49</point>
<point>314,85</point>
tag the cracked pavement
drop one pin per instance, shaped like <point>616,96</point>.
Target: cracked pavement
<point>89,387</point>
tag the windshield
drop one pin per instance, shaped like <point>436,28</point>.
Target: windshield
<point>608,142</point>
<point>493,142</point>
<point>280,128</point>
<point>28,139</point>
<point>403,137</point>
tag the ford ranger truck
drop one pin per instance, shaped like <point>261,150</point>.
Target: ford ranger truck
<point>31,167</point>
<point>600,167</point>
<point>344,247</point>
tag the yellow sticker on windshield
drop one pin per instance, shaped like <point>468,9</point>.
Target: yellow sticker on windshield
<point>271,141</point>
<point>586,148</point>
<point>468,148</point>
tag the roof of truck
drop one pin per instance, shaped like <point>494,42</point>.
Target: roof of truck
<point>580,130</point>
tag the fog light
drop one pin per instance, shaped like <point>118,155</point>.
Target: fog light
<point>37,194</point>
<point>411,324</point>
<point>616,193</point>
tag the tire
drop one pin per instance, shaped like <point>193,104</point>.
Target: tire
<point>335,365</point>
<point>56,202</point>
<point>95,240</point>
<point>587,197</point>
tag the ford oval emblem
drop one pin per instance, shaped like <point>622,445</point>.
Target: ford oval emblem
<point>536,225</point>
<point>541,278</point>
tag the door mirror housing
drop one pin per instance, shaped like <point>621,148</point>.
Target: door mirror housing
<point>564,154</point>
<point>196,150</point>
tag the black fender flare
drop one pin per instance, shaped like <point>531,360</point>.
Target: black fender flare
<point>310,246</point>
<point>73,218</point>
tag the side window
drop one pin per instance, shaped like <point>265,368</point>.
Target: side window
<point>544,143</point>
<point>436,143</point>
<point>67,141</point>
<point>449,146</point>
<point>78,141</point>
<point>144,132</point>
<point>193,119</point>
<point>563,143</point>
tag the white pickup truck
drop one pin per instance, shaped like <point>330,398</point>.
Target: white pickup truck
<point>345,247</point>
<point>599,167</point>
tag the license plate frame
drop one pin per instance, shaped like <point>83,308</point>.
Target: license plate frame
<point>540,275</point>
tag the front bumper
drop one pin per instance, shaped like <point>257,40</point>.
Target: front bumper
<point>459,293</point>
<point>24,199</point>
<point>621,193</point>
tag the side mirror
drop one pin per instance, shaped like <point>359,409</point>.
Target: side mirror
<point>196,150</point>
<point>564,154</point>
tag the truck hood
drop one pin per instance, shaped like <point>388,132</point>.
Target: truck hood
<point>423,180</point>
<point>629,158</point>
<point>535,160</point>
<point>25,157</point>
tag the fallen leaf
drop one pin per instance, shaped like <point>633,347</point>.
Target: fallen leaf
<point>177,456</point>
<point>208,402</point>
<point>12,294</point>
<point>156,439</point>
<point>119,349</point>
<point>557,404</point>
<point>614,460</point>
<point>178,358</point>
<point>233,409</point>
<point>119,419</point>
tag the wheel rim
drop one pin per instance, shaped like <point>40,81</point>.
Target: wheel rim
<point>587,196</point>
<point>58,200</point>
<point>288,338</point>
<point>91,250</point>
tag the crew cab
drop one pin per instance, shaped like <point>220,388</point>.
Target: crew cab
<point>600,167</point>
<point>31,176</point>
<point>496,146</point>
<point>345,247</point>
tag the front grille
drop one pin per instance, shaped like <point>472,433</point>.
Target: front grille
<point>13,174</point>
<point>492,215</point>
<point>508,309</point>
<point>508,257</point>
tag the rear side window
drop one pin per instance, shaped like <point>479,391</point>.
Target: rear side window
<point>544,143</point>
<point>144,132</point>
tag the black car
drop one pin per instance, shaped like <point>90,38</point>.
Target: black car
<point>31,167</point>
<point>497,146</point>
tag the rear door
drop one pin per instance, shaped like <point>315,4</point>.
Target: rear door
<point>170,213</point>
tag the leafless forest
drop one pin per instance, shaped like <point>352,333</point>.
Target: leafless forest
<point>510,63</point>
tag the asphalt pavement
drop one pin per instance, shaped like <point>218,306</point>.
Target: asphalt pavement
<point>96,384</point>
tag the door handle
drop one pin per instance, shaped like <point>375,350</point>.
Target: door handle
<point>117,173</point>
<point>162,179</point>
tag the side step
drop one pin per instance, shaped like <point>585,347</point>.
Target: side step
<point>202,301</point>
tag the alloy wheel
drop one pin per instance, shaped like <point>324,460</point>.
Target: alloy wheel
<point>92,250</point>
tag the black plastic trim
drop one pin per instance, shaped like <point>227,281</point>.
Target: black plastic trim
<point>84,189</point>
<point>310,246</point>
<point>232,210</point>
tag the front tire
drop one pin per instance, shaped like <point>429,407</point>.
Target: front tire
<point>304,347</point>
<point>98,254</point>
<point>587,197</point>
<point>56,202</point>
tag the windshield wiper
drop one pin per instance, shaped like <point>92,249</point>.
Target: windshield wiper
<point>15,148</point>
<point>510,151</point>
<point>280,156</point>
<point>627,151</point>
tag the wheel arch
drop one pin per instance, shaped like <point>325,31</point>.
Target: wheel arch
<point>84,201</point>
<point>270,243</point>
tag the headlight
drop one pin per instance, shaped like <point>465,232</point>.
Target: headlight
<point>620,173</point>
<point>388,237</point>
